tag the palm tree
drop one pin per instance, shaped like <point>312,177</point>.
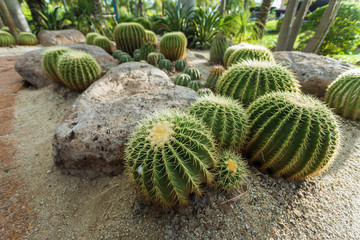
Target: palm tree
<point>263,17</point>
<point>16,12</point>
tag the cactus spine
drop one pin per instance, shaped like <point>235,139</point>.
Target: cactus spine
<point>25,38</point>
<point>77,70</point>
<point>194,73</point>
<point>145,50</point>
<point>169,156</point>
<point>226,119</point>
<point>248,80</point>
<point>218,48</point>
<point>6,39</point>
<point>151,37</point>
<point>344,95</point>
<point>215,74</point>
<point>182,80</point>
<point>129,36</point>
<point>152,58</point>
<point>195,85</point>
<point>291,135</point>
<point>205,92</point>
<point>49,61</point>
<point>165,64</point>
<point>103,42</point>
<point>228,52</point>
<point>90,37</point>
<point>180,65</point>
<point>250,52</point>
<point>173,45</point>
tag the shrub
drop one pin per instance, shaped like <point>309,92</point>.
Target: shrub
<point>49,61</point>
<point>25,38</point>
<point>173,45</point>
<point>6,39</point>
<point>218,49</point>
<point>103,42</point>
<point>90,37</point>
<point>194,73</point>
<point>180,65</point>
<point>129,36</point>
<point>182,80</point>
<point>215,74</point>
<point>250,52</point>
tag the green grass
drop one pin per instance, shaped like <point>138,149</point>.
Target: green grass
<point>271,25</point>
<point>352,58</point>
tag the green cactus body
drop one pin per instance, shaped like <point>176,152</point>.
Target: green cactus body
<point>169,155</point>
<point>103,42</point>
<point>173,45</point>
<point>28,39</point>
<point>195,85</point>
<point>205,92</point>
<point>117,54</point>
<point>228,52</point>
<point>180,65</point>
<point>90,37</point>
<point>151,37</point>
<point>217,49</point>
<point>194,73</point>
<point>129,36</point>
<point>344,95</point>
<point>6,39</point>
<point>291,135</point>
<point>77,70</point>
<point>226,119</point>
<point>152,58</point>
<point>145,50</point>
<point>6,29</point>
<point>160,57</point>
<point>49,61</point>
<point>165,64</point>
<point>182,80</point>
<point>137,57</point>
<point>215,74</point>
<point>137,51</point>
<point>250,52</point>
<point>248,80</point>
<point>231,171</point>
<point>125,58</point>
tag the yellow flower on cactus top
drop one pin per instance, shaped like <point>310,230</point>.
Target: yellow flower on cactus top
<point>231,165</point>
<point>160,133</point>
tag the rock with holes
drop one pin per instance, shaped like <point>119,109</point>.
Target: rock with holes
<point>91,138</point>
<point>60,37</point>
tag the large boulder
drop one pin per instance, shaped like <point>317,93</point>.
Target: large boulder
<point>29,67</point>
<point>60,37</point>
<point>314,72</point>
<point>91,138</point>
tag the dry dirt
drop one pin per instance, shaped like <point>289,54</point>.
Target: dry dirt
<point>67,207</point>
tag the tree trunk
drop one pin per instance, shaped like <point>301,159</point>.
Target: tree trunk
<point>140,8</point>
<point>8,20</point>
<point>17,14</point>
<point>222,7</point>
<point>286,25</point>
<point>263,17</point>
<point>297,24</point>
<point>1,23</point>
<point>326,20</point>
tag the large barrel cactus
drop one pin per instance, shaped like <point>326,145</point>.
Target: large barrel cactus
<point>291,135</point>
<point>49,61</point>
<point>150,36</point>
<point>129,36</point>
<point>249,52</point>
<point>225,117</point>
<point>6,39</point>
<point>228,52</point>
<point>218,48</point>
<point>248,80</point>
<point>173,45</point>
<point>90,37</point>
<point>103,42</point>
<point>29,39</point>
<point>215,74</point>
<point>344,95</point>
<point>77,70</point>
<point>169,155</point>
<point>182,80</point>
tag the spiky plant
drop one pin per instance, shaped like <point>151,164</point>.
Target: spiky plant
<point>90,37</point>
<point>6,29</point>
<point>151,37</point>
<point>180,65</point>
<point>205,92</point>
<point>77,70</point>
<point>248,80</point>
<point>228,52</point>
<point>6,39</point>
<point>152,58</point>
<point>49,61</point>
<point>137,57</point>
<point>195,85</point>
<point>231,171</point>
<point>225,117</point>
<point>218,48</point>
<point>165,64</point>
<point>117,54</point>
<point>125,58</point>
<point>160,57</point>
<point>137,51</point>
<point>250,52</point>
<point>291,135</point>
<point>169,155</point>
<point>103,42</point>
<point>344,95</point>
<point>145,50</point>
<point>173,45</point>
<point>29,39</point>
<point>182,80</point>
<point>215,74</point>
<point>194,73</point>
<point>129,36</point>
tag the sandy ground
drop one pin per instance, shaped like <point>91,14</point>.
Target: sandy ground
<point>67,207</point>
<point>17,50</point>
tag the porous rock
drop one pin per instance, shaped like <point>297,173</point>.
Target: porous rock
<point>60,37</point>
<point>90,140</point>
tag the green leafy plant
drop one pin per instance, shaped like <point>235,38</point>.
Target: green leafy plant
<point>51,18</point>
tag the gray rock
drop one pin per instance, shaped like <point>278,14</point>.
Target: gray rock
<point>60,37</point>
<point>314,72</point>
<point>91,138</point>
<point>29,67</point>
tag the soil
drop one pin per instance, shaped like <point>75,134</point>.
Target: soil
<point>68,207</point>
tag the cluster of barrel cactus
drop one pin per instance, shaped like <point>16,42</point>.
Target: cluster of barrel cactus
<point>173,45</point>
<point>50,59</point>
<point>6,39</point>
<point>29,39</point>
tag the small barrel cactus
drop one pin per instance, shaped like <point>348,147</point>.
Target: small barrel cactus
<point>182,80</point>
<point>137,51</point>
<point>29,39</point>
<point>231,172</point>
<point>218,48</point>
<point>169,155</point>
<point>125,58</point>
<point>117,54</point>
<point>173,45</point>
<point>49,61</point>
<point>129,36</point>
<point>151,37</point>
<point>226,119</point>
<point>194,73</point>
<point>180,65</point>
<point>205,92</point>
<point>137,57</point>
<point>6,39</point>
<point>103,42</point>
<point>160,57</point>
<point>145,50</point>
<point>165,64</point>
<point>248,80</point>
<point>291,135</point>
<point>215,74</point>
<point>77,70</point>
<point>152,58</point>
<point>195,85</point>
<point>90,37</point>
<point>250,52</point>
